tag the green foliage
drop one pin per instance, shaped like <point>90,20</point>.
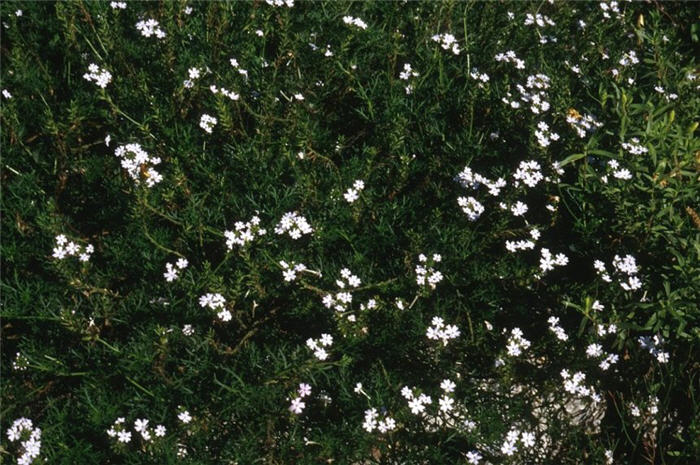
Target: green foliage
<point>103,339</point>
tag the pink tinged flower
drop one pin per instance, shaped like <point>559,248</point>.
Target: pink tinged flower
<point>297,406</point>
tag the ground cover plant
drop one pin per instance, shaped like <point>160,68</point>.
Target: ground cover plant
<point>291,232</point>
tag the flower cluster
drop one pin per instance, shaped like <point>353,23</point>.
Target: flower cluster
<point>556,329</point>
<point>357,22</point>
<point>544,135</point>
<point>297,405</point>
<point>634,147</point>
<point>547,261</point>
<point>653,345</point>
<point>426,275</point>
<point>216,302</point>
<point>287,3</point>
<point>140,426</point>
<point>447,42</point>
<point>407,74</point>
<point>471,207</point>
<point>538,19</point>
<point>595,350</point>
<point>510,57</point>
<point>371,423</point>
<point>171,271</point>
<point>317,345</point>
<point>207,122</point>
<point>529,173</point>
<point>150,27</point>
<point>574,385</point>
<point>353,193</point>
<point>65,248</point>
<point>582,124</point>
<point>516,342</point>
<point>136,162</point>
<point>223,91</point>
<point>23,430</point>
<point>440,331</point>
<point>513,437</point>
<point>342,298</point>
<point>244,233</point>
<point>290,270</point>
<point>118,5</point>
<point>102,77</point>
<point>416,403</point>
<point>293,224</point>
<point>472,180</point>
<point>524,244</point>
<point>626,265</point>
<point>194,74</point>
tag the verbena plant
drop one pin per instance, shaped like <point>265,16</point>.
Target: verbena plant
<point>341,232</point>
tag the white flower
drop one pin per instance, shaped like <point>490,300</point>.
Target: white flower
<point>101,77</point>
<point>357,22</point>
<point>304,390</point>
<point>446,403</point>
<point>294,225</point>
<point>447,385</point>
<point>150,27</point>
<point>297,405</point>
<point>207,123</point>
<point>471,207</point>
<point>474,457</point>
<point>184,416</point>
<point>160,431</point>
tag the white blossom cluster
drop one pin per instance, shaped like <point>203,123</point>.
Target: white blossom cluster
<point>447,42</point>
<point>556,329</point>
<point>653,345</point>
<point>416,403</point>
<point>629,59</point>
<point>472,180</point>
<point>574,385</point>
<point>297,405</point>
<point>634,147</point>
<point>216,302</point>
<point>223,91</point>
<point>515,437</point>
<point>118,5</point>
<point>353,193</point>
<point>510,57</point>
<point>548,262</point>
<point>608,8</point>
<point>244,233</point>
<point>101,77</point>
<point>618,173</point>
<point>193,74</point>
<point>407,74</point>
<point>290,270</point>
<point>287,3</point>
<point>426,275</point>
<point>136,162</point>
<point>371,422</point>
<point>342,299</point>
<point>6,93</point>
<point>140,426</point>
<point>627,266</point>
<point>595,350</point>
<point>516,343</point>
<point>538,19</point>
<point>439,331</point>
<point>23,430</point>
<point>482,78</point>
<point>150,27</point>
<point>293,224</point>
<point>317,345</point>
<point>207,122</point>
<point>20,363</point>
<point>582,124</point>
<point>357,22</point>
<point>171,271</point>
<point>524,244</point>
<point>528,173</point>
<point>535,93</point>
<point>65,248</point>
<point>471,207</point>
<point>544,135</point>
